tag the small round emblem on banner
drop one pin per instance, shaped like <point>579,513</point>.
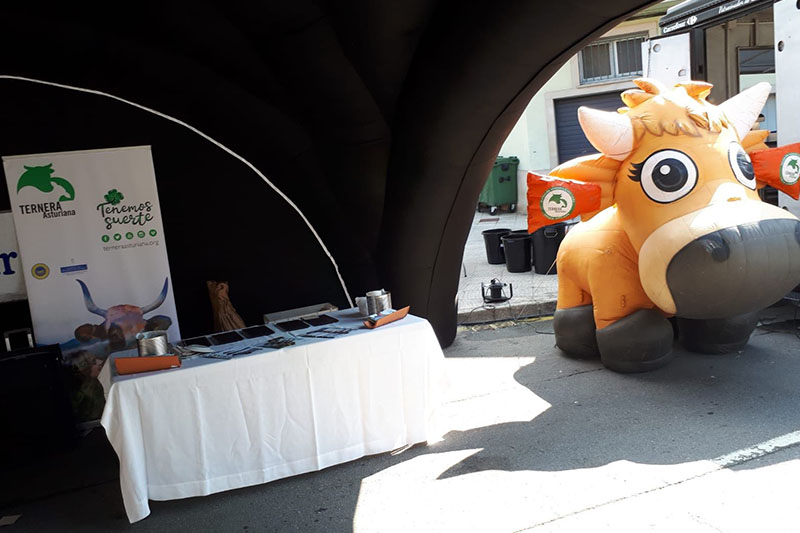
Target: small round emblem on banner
<point>40,271</point>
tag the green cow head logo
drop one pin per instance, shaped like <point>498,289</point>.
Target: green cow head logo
<point>42,178</point>
<point>557,199</point>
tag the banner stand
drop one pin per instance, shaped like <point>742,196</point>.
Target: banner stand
<point>94,258</point>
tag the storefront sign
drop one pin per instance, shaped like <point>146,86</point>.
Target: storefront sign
<point>718,12</point>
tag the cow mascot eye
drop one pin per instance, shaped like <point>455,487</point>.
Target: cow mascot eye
<point>666,175</point>
<point>742,166</point>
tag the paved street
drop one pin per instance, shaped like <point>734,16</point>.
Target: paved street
<point>536,442</point>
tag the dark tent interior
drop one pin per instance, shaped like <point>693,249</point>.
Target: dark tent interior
<point>380,120</point>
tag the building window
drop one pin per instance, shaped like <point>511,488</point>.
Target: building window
<point>759,60</point>
<point>610,59</point>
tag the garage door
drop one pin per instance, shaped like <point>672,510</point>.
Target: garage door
<point>569,137</point>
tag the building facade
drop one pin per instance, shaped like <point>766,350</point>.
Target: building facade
<point>548,132</point>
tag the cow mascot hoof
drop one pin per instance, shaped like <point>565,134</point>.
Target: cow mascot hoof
<point>639,342</point>
<point>717,336</point>
<point>576,333</point>
<point>671,226</point>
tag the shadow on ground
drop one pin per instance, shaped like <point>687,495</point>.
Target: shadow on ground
<point>697,408</point>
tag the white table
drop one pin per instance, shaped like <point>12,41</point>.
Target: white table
<point>216,425</point>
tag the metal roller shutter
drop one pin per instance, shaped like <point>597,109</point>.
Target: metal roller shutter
<point>571,141</point>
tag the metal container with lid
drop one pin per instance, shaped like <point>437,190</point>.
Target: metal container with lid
<point>152,343</point>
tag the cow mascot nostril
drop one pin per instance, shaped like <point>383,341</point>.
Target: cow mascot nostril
<point>679,229</point>
<point>716,247</point>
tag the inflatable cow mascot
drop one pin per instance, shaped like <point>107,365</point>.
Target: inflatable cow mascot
<point>679,231</point>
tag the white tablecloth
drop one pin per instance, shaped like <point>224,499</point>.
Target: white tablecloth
<point>216,425</point>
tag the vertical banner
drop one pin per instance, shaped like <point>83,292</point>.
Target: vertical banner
<point>95,262</point>
<point>12,283</point>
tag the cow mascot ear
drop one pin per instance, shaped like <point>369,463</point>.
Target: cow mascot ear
<point>612,134</point>
<point>582,186</point>
<point>592,178</point>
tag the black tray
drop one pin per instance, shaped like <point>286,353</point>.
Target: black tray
<point>256,331</point>
<point>321,320</point>
<point>225,337</point>
<point>292,325</point>
<point>202,341</point>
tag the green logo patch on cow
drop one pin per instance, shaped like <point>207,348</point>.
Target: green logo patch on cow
<point>557,203</point>
<point>790,168</point>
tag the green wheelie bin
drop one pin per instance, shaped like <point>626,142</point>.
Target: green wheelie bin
<point>500,190</point>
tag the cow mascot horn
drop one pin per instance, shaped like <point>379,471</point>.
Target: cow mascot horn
<point>681,230</point>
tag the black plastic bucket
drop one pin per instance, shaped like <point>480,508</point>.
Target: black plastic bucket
<point>546,241</point>
<point>518,252</point>
<point>523,232</point>
<point>494,248</point>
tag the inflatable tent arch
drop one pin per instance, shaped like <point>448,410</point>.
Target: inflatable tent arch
<point>379,120</point>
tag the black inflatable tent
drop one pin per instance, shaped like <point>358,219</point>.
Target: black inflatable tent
<point>380,119</point>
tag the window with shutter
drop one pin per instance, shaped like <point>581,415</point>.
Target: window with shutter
<point>610,59</point>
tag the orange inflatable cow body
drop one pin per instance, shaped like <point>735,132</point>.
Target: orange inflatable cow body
<point>683,231</point>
